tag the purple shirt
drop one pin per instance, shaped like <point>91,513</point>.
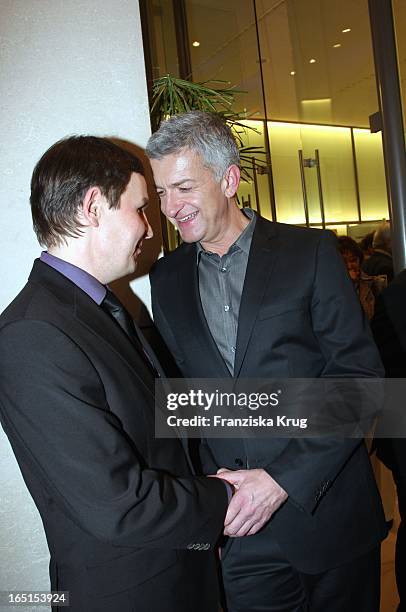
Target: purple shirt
<point>85,281</point>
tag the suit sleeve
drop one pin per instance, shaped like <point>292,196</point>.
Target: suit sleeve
<point>389,330</point>
<point>307,468</point>
<point>55,413</point>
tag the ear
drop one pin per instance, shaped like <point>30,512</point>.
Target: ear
<point>231,181</point>
<point>91,206</point>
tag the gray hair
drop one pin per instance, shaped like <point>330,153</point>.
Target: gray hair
<point>206,134</point>
<point>382,237</point>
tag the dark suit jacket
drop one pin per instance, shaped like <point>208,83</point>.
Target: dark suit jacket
<point>77,404</point>
<point>378,263</point>
<point>389,329</point>
<point>299,317</point>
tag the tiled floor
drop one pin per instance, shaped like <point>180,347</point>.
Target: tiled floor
<point>389,595</point>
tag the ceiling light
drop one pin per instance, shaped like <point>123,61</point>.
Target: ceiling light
<point>346,30</point>
<point>195,43</point>
<point>337,45</point>
<point>312,61</point>
<point>317,101</point>
<point>293,72</point>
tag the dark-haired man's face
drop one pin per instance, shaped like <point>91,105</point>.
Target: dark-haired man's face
<point>191,198</point>
<point>122,231</point>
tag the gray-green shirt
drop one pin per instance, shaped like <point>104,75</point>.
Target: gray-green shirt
<point>221,281</point>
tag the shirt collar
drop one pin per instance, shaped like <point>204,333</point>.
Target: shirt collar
<point>85,281</point>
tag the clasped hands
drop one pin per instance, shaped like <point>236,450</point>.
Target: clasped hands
<point>256,497</point>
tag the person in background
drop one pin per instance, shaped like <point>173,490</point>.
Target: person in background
<point>389,330</point>
<point>366,245</point>
<point>128,525</point>
<point>367,287</point>
<point>380,262</point>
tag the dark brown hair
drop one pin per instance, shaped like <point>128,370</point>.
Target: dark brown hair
<point>64,174</point>
<point>345,243</point>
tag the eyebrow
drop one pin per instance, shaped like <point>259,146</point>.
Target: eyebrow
<point>178,183</point>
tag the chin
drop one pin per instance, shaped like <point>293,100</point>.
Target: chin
<point>190,237</point>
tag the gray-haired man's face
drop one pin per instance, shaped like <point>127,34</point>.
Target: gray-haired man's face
<point>190,196</point>
<point>201,207</point>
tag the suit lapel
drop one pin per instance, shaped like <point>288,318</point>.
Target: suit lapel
<point>79,305</point>
<point>261,261</point>
<point>149,351</point>
<point>98,322</point>
<point>131,355</point>
<point>189,301</point>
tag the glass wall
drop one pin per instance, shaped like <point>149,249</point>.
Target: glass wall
<point>399,15</point>
<point>305,70</point>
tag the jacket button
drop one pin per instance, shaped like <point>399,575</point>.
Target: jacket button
<point>238,462</point>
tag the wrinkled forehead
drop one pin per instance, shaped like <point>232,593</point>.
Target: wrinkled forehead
<point>179,166</point>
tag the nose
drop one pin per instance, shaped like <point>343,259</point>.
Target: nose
<point>169,205</point>
<point>149,233</point>
<point>148,229</point>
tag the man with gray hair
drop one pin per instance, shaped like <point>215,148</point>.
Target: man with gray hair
<point>244,297</point>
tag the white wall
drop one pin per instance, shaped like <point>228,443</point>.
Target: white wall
<point>66,66</point>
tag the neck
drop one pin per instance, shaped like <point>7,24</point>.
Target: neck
<point>76,253</point>
<point>234,224</point>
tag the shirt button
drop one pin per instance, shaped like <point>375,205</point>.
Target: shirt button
<point>226,308</point>
<point>233,349</point>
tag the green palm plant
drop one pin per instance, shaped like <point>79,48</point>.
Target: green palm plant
<point>171,96</point>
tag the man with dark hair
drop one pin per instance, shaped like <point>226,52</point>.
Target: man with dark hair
<point>128,525</point>
<point>247,298</point>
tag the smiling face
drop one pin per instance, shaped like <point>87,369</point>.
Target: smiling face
<point>122,230</point>
<point>199,206</point>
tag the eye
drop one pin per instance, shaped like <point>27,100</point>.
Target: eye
<point>184,189</point>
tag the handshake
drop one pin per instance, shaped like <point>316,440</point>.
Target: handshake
<point>256,496</point>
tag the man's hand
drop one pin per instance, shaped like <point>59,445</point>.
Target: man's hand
<point>256,498</point>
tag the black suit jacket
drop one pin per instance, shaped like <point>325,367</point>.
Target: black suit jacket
<point>389,329</point>
<point>379,262</point>
<point>77,405</point>
<point>299,317</point>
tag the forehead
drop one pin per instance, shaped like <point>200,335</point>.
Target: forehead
<point>350,255</point>
<point>136,186</point>
<point>179,166</point>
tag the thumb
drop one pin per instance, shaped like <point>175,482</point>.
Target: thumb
<point>231,477</point>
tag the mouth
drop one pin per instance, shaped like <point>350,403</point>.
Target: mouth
<point>187,218</point>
